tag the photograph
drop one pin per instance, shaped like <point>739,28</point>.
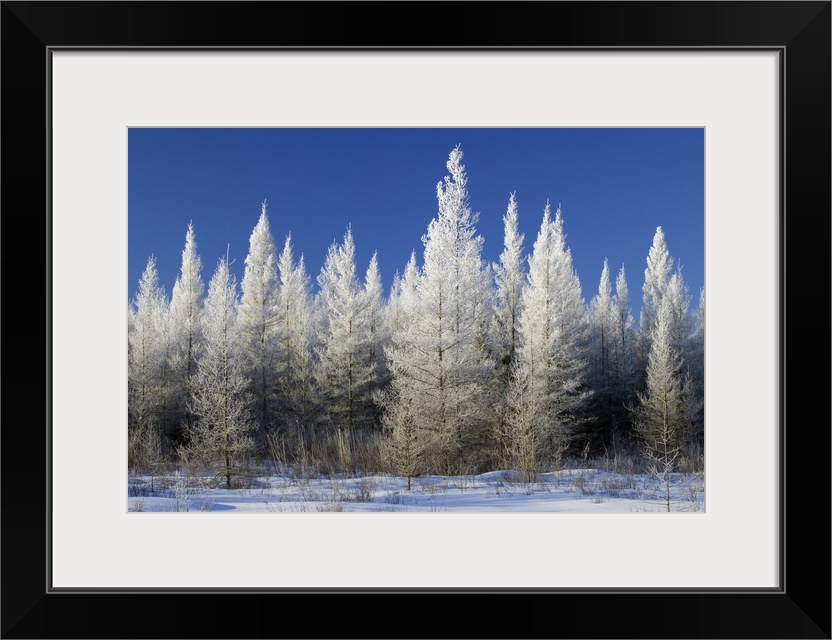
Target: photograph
<point>415,316</point>
<point>416,320</point>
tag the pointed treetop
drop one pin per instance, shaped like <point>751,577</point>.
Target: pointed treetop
<point>605,277</point>
<point>263,221</point>
<point>622,292</point>
<point>658,250</point>
<point>372,278</point>
<point>373,268</point>
<point>149,282</point>
<point>547,211</point>
<point>188,287</point>
<point>190,241</point>
<point>455,159</point>
<point>452,192</point>
<point>659,266</point>
<point>621,280</point>
<point>510,218</point>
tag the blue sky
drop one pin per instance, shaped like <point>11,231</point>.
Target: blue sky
<point>615,186</point>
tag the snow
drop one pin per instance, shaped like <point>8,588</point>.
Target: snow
<point>581,490</point>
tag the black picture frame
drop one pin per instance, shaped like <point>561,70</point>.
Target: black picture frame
<point>800,608</point>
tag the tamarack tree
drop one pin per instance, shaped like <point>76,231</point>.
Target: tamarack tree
<point>146,365</point>
<point>347,367</point>
<point>222,428</point>
<point>547,392</point>
<point>258,323</point>
<point>186,332</point>
<point>659,420</point>
<point>295,367</point>
<point>439,358</point>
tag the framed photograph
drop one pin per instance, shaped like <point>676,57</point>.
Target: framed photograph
<point>328,405</point>
<point>78,78</point>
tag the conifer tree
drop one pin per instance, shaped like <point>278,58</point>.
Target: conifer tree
<point>146,377</point>
<point>510,278</point>
<point>660,413</point>
<point>656,276</point>
<point>439,359</point>
<point>186,330</point>
<point>405,449</point>
<point>346,370</point>
<point>623,362</point>
<point>377,325</point>
<point>258,323</point>
<point>602,319</point>
<point>685,341</point>
<point>297,393</point>
<point>547,394</point>
<point>221,432</point>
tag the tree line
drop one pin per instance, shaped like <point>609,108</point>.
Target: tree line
<point>464,366</point>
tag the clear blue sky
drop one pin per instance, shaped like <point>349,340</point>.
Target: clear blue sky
<point>615,187</point>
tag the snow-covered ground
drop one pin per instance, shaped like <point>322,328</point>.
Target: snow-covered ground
<point>568,491</point>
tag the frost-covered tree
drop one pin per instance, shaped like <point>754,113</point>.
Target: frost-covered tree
<point>146,369</point>
<point>185,320</point>
<point>656,276</point>
<point>660,414</point>
<point>510,277</point>
<point>258,322</point>
<point>612,361</point>
<point>684,339</point>
<point>602,323</point>
<point>221,432</point>
<point>346,370</point>
<point>295,371</point>
<point>439,357</point>
<point>377,325</point>
<point>602,319</point>
<point>404,450</point>
<point>622,358</point>
<point>665,292</point>
<point>624,348</point>
<point>547,393</point>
